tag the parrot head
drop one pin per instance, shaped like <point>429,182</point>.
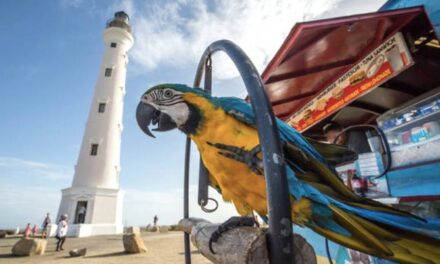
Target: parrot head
<point>164,105</point>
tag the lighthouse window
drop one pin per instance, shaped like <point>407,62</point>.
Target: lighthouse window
<point>94,150</point>
<point>113,45</point>
<point>81,210</point>
<point>101,107</point>
<point>108,72</point>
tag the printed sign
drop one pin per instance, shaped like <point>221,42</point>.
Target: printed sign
<point>386,61</point>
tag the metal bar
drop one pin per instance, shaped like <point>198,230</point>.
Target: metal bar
<point>202,197</point>
<point>280,227</point>
<point>185,198</point>
<point>203,172</point>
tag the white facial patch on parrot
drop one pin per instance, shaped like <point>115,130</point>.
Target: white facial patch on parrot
<point>178,112</point>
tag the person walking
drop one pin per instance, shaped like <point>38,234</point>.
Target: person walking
<point>34,230</point>
<point>155,219</point>
<point>61,232</point>
<point>47,221</point>
<point>28,230</point>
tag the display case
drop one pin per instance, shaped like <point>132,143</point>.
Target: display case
<point>361,176</point>
<point>413,130</point>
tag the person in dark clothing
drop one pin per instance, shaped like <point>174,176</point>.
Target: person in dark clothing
<point>47,221</point>
<point>355,140</point>
<point>155,219</point>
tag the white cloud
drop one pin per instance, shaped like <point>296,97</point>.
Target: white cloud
<point>15,167</point>
<point>176,33</point>
<point>71,3</point>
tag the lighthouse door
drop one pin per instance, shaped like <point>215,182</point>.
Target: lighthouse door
<point>80,213</point>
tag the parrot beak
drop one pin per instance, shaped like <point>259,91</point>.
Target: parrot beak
<point>147,114</point>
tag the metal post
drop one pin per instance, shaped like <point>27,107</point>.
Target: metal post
<point>203,172</point>
<point>280,227</point>
<point>185,198</point>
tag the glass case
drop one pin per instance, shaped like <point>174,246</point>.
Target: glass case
<point>413,130</point>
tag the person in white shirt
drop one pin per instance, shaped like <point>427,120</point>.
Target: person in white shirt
<point>61,232</point>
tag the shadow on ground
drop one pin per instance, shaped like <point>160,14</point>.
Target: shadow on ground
<point>192,252</point>
<point>9,255</point>
<point>107,255</point>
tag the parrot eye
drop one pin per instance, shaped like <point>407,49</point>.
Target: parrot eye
<point>168,94</point>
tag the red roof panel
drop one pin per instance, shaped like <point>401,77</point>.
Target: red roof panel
<point>316,53</point>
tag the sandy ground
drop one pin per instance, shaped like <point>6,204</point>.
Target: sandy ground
<point>162,248</point>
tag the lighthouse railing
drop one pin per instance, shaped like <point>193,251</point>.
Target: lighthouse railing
<point>118,23</point>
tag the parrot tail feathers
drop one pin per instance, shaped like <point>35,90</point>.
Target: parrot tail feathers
<point>375,238</point>
<point>394,219</point>
<point>358,230</point>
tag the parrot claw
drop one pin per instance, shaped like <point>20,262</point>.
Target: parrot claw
<point>231,223</point>
<point>248,157</point>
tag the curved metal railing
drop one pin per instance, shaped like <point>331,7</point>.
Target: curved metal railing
<point>279,236</point>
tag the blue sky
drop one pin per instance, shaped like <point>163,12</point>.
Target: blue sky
<point>51,53</point>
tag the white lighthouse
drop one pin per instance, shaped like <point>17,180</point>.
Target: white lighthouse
<point>94,202</point>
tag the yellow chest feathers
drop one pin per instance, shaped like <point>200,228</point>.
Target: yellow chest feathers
<point>236,181</point>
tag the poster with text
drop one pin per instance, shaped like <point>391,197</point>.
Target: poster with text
<point>386,61</point>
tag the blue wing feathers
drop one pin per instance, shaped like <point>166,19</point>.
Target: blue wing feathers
<point>243,112</point>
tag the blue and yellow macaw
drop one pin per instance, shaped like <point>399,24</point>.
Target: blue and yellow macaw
<point>225,133</point>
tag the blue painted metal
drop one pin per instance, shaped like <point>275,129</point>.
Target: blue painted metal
<point>415,181</point>
<point>317,241</point>
<point>432,8</point>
